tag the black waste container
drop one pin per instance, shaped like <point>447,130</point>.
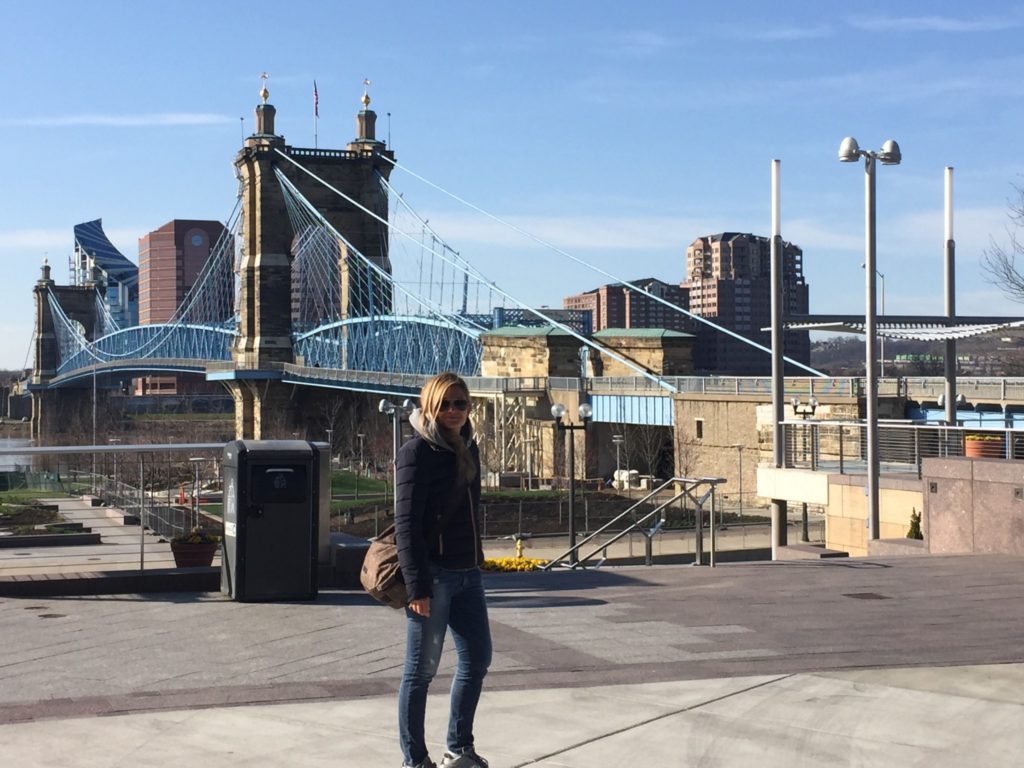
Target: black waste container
<point>271,510</point>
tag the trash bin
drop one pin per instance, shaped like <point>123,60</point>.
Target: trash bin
<point>271,520</point>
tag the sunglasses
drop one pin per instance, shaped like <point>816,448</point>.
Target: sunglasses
<point>458,405</point>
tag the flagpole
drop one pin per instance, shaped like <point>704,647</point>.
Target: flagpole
<point>316,116</point>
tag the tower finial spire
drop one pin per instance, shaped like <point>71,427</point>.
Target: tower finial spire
<point>264,93</point>
<point>366,93</point>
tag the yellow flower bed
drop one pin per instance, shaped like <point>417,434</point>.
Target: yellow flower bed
<point>510,564</point>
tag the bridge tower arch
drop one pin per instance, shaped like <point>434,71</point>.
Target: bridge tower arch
<point>264,343</point>
<point>79,303</point>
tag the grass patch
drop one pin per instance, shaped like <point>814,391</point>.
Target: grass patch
<point>26,496</point>
<point>343,483</point>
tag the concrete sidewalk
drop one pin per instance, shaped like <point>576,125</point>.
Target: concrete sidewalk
<point>899,661</point>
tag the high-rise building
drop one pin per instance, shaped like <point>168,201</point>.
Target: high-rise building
<point>120,276</point>
<point>729,281</point>
<point>171,258</point>
<point>616,305</point>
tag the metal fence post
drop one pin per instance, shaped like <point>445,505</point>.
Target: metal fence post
<point>815,434</point>
<point>142,516</point>
<point>918,458</point>
<point>711,554</point>
<point>698,525</point>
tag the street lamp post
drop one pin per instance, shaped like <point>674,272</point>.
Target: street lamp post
<point>117,490</point>
<point>558,413</point>
<point>881,340</point>
<point>850,152</point>
<point>196,461</point>
<point>396,412</point>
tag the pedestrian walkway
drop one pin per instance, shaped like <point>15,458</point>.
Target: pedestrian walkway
<point>118,550</point>
<point>880,662</point>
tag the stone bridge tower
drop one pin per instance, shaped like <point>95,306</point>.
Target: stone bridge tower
<point>79,303</point>
<point>262,405</point>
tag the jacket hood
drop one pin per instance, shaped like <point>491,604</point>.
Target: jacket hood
<point>430,432</point>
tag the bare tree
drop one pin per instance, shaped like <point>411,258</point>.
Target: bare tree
<point>647,445</point>
<point>688,449</point>
<point>999,262</point>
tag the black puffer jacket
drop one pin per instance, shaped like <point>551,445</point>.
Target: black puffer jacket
<point>425,486</point>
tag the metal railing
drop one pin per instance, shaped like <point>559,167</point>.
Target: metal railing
<point>129,494</point>
<point>681,487</point>
<point>841,446</point>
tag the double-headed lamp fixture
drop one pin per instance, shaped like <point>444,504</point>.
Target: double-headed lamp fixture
<point>850,152</point>
<point>558,412</point>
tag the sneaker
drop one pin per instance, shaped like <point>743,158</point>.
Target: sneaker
<point>466,759</point>
<point>426,762</point>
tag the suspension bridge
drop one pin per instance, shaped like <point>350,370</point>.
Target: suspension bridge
<point>325,275</point>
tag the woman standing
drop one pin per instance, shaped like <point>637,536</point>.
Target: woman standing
<point>437,494</point>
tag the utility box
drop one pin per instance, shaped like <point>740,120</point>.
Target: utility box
<point>272,511</point>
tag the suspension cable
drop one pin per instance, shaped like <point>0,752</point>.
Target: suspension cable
<point>562,326</point>
<point>581,262</point>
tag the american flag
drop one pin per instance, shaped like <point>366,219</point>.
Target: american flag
<point>316,101</point>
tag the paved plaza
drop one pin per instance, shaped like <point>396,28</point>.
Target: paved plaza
<point>873,662</point>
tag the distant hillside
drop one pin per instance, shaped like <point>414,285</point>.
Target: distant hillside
<point>983,356</point>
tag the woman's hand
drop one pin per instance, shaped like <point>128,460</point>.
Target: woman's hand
<point>420,606</point>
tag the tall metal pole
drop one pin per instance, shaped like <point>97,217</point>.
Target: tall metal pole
<point>881,341</point>
<point>142,513</point>
<point>871,330</point>
<point>950,285</point>
<point>396,444</point>
<point>779,511</point>
<point>94,485</point>
<point>574,555</point>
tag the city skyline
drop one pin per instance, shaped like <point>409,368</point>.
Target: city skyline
<point>620,143</point>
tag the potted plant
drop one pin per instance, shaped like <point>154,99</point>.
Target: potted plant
<point>979,445</point>
<point>195,548</point>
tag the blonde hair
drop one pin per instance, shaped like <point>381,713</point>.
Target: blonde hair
<point>431,397</point>
<point>433,393</point>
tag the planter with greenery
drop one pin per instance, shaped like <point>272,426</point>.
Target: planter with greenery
<point>195,549</point>
<point>984,445</point>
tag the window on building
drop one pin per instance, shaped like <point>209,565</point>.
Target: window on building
<point>699,428</point>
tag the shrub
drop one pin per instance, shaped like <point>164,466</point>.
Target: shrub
<point>915,525</point>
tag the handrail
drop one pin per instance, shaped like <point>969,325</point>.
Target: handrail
<point>690,484</point>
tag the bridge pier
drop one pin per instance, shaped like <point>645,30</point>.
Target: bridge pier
<point>264,409</point>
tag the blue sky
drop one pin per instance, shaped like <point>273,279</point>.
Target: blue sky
<point>618,131</point>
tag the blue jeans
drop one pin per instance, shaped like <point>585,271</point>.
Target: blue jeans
<point>458,602</point>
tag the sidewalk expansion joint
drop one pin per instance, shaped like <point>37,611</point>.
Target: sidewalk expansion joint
<point>650,720</point>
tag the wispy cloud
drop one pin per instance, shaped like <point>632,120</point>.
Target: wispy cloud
<point>36,239</point>
<point>120,121</point>
<point>60,242</point>
<point>640,233</point>
<point>640,42</point>
<point>934,23</point>
<point>768,32</point>
<point>820,237</point>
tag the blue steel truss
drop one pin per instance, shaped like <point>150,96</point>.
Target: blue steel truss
<point>390,344</point>
<point>408,311</point>
<point>153,342</point>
